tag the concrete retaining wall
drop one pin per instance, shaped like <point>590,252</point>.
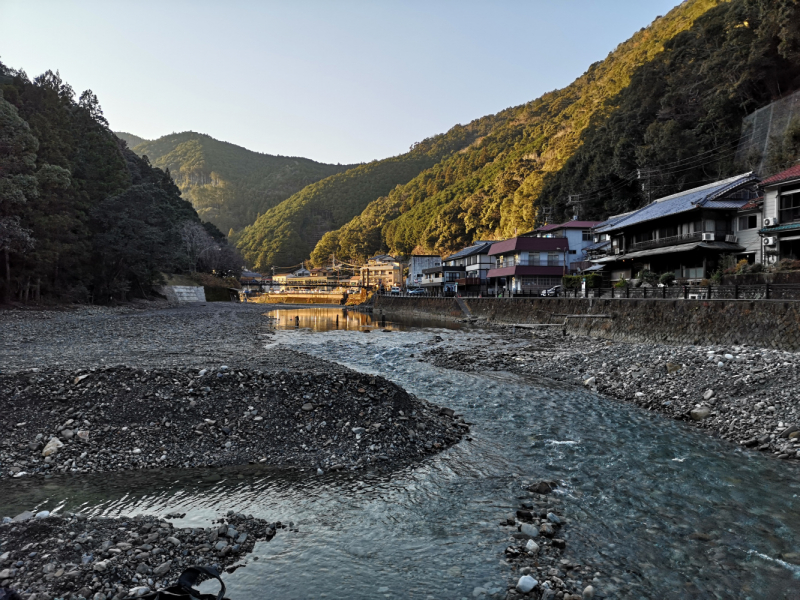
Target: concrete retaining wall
<point>765,323</point>
<point>183,293</point>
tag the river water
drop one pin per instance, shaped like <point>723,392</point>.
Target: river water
<point>662,510</point>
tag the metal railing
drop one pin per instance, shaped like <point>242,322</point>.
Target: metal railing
<point>530,262</point>
<point>767,291</point>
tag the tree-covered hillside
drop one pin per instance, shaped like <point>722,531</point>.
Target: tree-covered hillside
<point>228,185</point>
<point>130,139</point>
<point>82,218</point>
<point>287,234</point>
<point>661,113</point>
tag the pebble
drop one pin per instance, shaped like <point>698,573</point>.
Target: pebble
<point>526,583</point>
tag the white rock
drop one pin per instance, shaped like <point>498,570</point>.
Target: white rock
<point>588,593</point>
<point>590,382</point>
<point>532,547</point>
<point>202,372</point>
<point>52,446</point>
<point>640,394</point>
<point>100,566</point>
<point>138,591</point>
<point>708,394</point>
<point>20,474</point>
<point>529,530</point>
<point>526,583</point>
<point>137,450</point>
<point>42,515</point>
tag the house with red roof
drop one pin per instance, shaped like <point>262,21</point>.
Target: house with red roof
<point>579,236</point>
<point>780,234</point>
<point>528,264</point>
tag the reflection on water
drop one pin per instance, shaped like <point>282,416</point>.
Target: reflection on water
<point>334,319</point>
<point>663,510</point>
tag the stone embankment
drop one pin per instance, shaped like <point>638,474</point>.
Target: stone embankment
<point>122,418</point>
<point>739,393</point>
<point>73,556</point>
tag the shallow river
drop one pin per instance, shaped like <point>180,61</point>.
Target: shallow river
<point>662,510</point>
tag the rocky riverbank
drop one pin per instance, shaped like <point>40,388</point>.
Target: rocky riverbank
<point>122,418</point>
<point>739,393</point>
<point>47,556</point>
<point>538,551</point>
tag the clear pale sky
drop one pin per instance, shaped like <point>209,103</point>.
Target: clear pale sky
<point>336,81</point>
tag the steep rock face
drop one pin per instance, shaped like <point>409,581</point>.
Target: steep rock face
<point>668,103</point>
<point>228,185</point>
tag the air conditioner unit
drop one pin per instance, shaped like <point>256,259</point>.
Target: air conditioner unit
<point>770,241</point>
<point>770,222</point>
<point>730,239</point>
<point>708,237</point>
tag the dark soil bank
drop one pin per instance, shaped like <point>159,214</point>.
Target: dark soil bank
<point>122,418</point>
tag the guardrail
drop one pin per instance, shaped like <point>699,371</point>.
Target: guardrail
<point>767,291</point>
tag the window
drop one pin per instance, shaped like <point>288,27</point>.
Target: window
<point>573,251</point>
<point>790,208</point>
<point>586,235</point>
<point>748,222</point>
<point>552,259</point>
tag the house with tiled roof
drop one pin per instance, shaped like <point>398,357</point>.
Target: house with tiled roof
<point>685,233</point>
<point>476,263</point>
<point>528,264</point>
<point>780,233</point>
<point>578,234</point>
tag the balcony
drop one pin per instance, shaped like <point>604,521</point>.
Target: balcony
<point>673,240</point>
<point>470,281</point>
<point>531,262</point>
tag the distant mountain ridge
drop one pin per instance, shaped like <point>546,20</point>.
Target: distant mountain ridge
<point>228,185</point>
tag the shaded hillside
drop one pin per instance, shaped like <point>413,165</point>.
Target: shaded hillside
<point>130,139</point>
<point>228,185</point>
<point>287,234</point>
<point>676,90</point>
<point>82,218</point>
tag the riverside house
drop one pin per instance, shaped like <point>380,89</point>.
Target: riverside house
<point>685,233</point>
<point>528,264</point>
<point>781,224</point>
<point>579,236</point>
<point>382,271</point>
<point>476,262</point>
<point>417,263</point>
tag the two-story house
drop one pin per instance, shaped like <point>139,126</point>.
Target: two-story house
<point>476,262</point>
<point>685,233</point>
<point>528,264</point>
<point>417,263</point>
<point>442,279</point>
<point>578,234</point>
<point>781,223</point>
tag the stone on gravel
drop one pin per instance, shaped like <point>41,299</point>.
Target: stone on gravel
<point>529,530</point>
<point>526,584</point>
<point>708,394</point>
<point>700,413</point>
<point>588,593</point>
<point>52,447</point>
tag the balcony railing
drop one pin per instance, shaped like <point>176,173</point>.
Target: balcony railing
<point>530,262</point>
<point>685,238</point>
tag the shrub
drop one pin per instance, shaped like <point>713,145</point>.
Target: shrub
<point>757,268</point>
<point>571,282</point>
<point>705,282</point>
<point>667,278</point>
<point>716,277</point>
<point>788,264</point>
<point>594,280</point>
<point>622,283</point>
<point>648,277</point>
<point>742,266</point>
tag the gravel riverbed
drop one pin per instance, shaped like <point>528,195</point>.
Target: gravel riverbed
<point>739,393</point>
<point>101,558</point>
<point>165,407</point>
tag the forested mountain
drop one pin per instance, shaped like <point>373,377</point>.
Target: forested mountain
<point>286,234</point>
<point>81,216</point>
<point>130,139</point>
<point>228,185</point>
<point>661,113</point>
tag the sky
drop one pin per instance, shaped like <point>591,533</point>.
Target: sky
<point>336,81</point>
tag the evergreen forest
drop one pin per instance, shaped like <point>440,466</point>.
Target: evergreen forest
<point>663,112</point>
<point>82,218</point>
<point>228,185</point>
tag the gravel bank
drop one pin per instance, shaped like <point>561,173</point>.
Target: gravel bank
<point>195,387</point>
<point>121,418</point>
<point>538,552</point>
<point>100,558</point>
<point>739,393</point>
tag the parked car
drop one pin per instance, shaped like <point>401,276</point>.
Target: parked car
<point>395,290</point>
<point>416,292</point>
<point>553,291</point>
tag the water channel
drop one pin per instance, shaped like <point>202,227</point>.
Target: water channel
<point>662,510</point>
